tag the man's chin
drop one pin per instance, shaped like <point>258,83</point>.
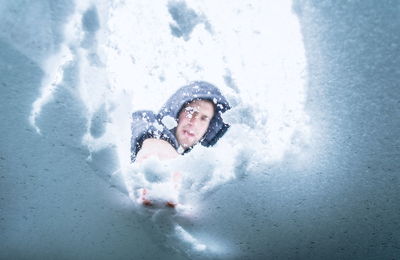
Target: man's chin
<point>187,144</point>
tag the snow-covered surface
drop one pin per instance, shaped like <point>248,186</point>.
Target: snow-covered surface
<point>308,170</point>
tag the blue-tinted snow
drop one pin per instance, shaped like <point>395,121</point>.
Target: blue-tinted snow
<point>338,199</point>
<point>185,19</point>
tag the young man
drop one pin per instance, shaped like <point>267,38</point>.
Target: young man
<point>190,116</point>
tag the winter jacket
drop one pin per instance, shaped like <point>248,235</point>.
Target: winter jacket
<point>146,124</point>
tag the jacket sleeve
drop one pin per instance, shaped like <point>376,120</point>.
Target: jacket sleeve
<point>145,125</point>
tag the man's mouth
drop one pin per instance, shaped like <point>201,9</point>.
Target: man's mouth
<point>188,133</point>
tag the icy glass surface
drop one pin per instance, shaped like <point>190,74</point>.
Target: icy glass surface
<point>309,168</point>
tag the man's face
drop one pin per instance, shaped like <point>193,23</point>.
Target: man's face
<point>193,122</point>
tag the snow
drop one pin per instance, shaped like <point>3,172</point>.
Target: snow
<point>169,122</point>
<point>307,170</point>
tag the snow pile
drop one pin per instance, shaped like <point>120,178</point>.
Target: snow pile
<point>132,55</point>
<point>199,172</point>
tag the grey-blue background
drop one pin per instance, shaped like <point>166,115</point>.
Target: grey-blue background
<point>344,204</point>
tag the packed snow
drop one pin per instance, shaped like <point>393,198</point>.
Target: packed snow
<point>133,55</point>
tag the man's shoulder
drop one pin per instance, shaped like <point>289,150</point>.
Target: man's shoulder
<point>146,125</point>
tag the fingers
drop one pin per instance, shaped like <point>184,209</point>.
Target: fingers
<point>146,202</point>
